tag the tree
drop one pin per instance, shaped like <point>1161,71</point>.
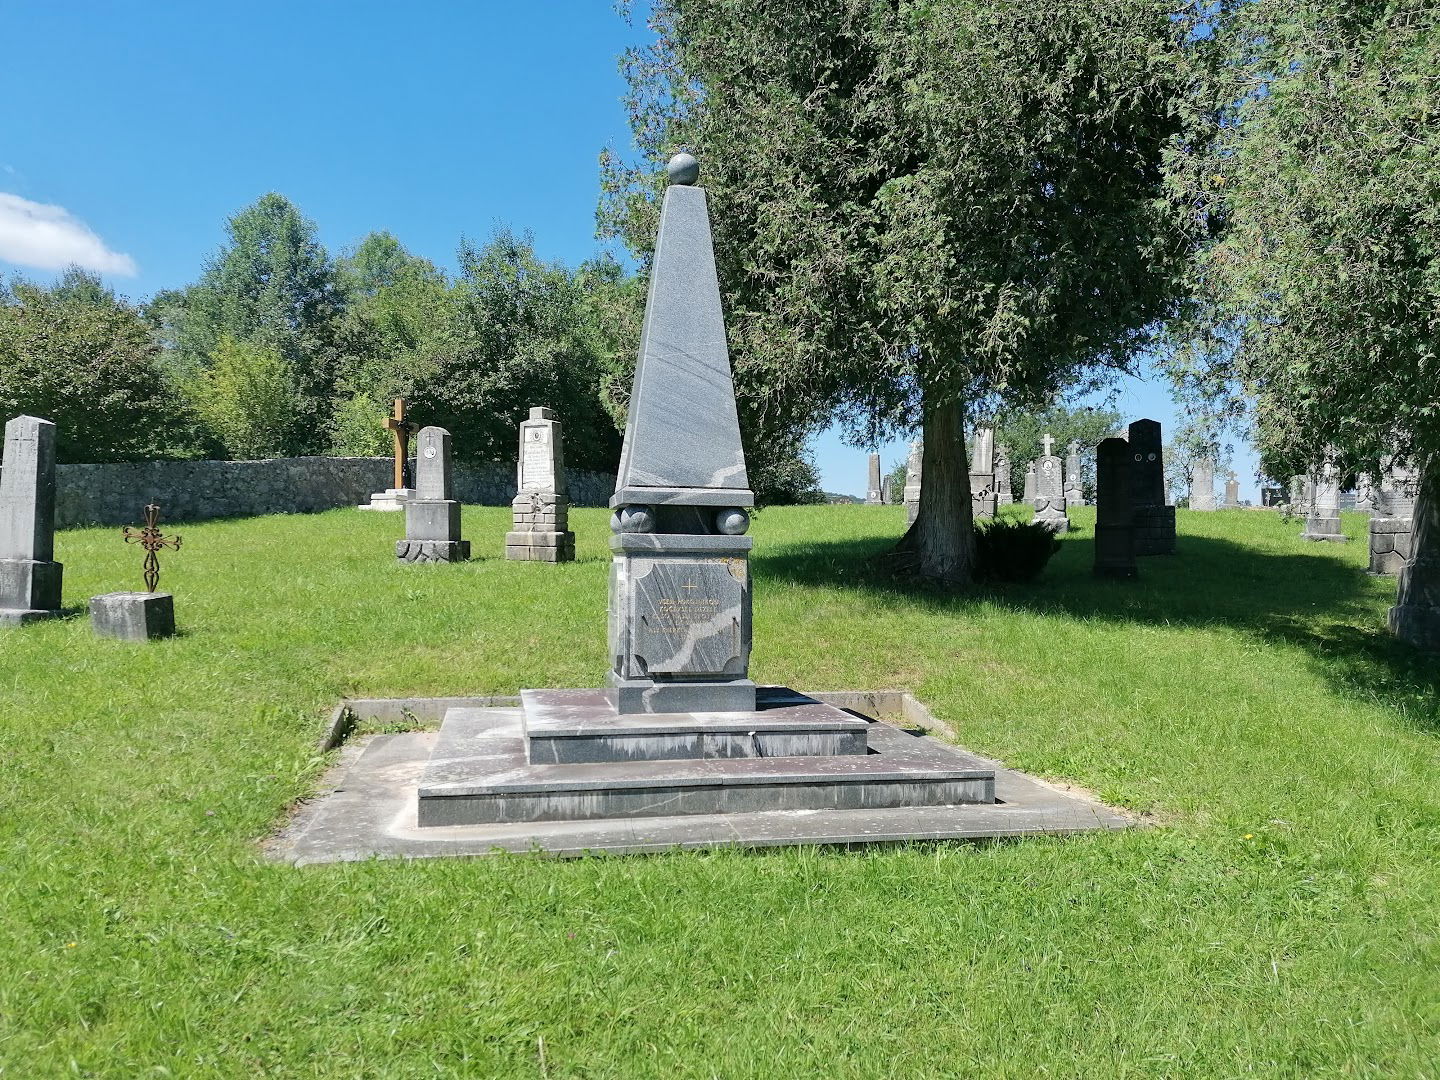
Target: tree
<point>1320,294</point>
<point>248,399</point>
<point>1021,433</point>
<point>518,335</point>
<point>78,355</point>
<point>272,286</point>
<point>924,209</point>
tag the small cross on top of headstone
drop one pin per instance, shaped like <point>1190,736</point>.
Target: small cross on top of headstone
<point>152,540</point>
<point>402,429</point>
<point>1049,444</point>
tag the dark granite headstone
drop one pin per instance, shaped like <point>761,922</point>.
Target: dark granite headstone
<point>1154,519</point>
<point>1114,515</point>
<point>30,577</point>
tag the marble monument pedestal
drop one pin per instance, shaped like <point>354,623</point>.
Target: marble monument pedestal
<point>573,757</point>
<point>389,499</point>
<point>29,590</point>
<point>1323,527</point>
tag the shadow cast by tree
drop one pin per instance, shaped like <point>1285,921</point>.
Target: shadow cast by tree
<point>1330,609</point>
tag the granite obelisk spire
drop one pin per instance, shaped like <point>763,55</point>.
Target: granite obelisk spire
<point>680,576</point>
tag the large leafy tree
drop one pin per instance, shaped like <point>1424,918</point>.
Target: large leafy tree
<point>923,208</point>
<point>516,333</point>
<point>77,354</point>
<point>1320,296</point>
<point>273,286</point>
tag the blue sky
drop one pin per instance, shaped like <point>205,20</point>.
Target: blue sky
<point>134,129</point>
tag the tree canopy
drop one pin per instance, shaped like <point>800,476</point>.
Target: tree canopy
<point>921,208</point>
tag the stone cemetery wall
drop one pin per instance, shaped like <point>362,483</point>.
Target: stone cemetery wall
<point>116,494</point>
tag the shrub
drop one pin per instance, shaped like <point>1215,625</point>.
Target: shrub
<point>1007,550</point>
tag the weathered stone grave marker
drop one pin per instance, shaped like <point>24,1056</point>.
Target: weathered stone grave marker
<point>139,616</point>
<point>1202,484</point>
<point>912,481</point>
<point>982,475</point>
<point>1004,495</point>
<point>872,488</point>
<point>540,528</point>
<point>1031,489</point>
<point>1050,490</point>
<point>1074,484</point>
<point>30,578</point>
<point>1323,522</point>
<point>432,515</point>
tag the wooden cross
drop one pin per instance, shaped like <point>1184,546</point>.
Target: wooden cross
<point>152,540</point>
<point>402,430</point>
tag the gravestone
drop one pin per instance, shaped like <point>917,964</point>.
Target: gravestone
<point>1030,489</point>
<point>680,576</point>
<point>982,475</point>
<point>1392,526</point>
<point>1202,484</point>
<point>912,481</point>
<point>1367,500</point>
<point>1050,490</point>
<point>139,616</point>
<point>1415,618</point>
<point>540,529</point>
<point>1323,523</point>
<point>400,429</point>
<point>872,489</point>
<point>886,495</point>
<point>1074,484</point>
<point>681,729</point>
<point>1114,516</point>
<point>1004,494</point>
<point>1154,519</point>
<point>432,517</point>
<point>30,577</point>
<point>1232,492</point>
<point>1307,495</point>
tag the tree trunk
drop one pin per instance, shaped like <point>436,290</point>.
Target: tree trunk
<point>1415,618</point>
<point>941,542</point>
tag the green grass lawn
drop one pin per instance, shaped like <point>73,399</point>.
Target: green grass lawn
<point>1281,919</point>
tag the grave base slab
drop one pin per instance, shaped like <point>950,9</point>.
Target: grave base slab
<point>133,616</point>
<point>369,802</point>
<point>432,551</point>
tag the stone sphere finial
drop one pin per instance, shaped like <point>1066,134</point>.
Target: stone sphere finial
<point>683,169</point>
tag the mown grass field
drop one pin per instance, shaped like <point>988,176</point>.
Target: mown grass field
<point>1281,918</point>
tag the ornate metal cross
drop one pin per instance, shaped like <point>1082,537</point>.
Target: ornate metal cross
<point>152,540</point>
<point>402,429</point>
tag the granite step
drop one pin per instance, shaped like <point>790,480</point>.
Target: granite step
<point>478,774</point>
<point>566,727</point>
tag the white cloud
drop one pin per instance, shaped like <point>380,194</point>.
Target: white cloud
<point>51,238</point>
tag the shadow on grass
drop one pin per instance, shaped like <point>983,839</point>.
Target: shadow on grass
<point>1321,605</point>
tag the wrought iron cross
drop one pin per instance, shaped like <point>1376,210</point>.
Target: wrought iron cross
<point>152,540</point>
<point>402,430</point>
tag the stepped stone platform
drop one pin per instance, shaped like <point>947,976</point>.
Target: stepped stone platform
<point>471,788</point>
